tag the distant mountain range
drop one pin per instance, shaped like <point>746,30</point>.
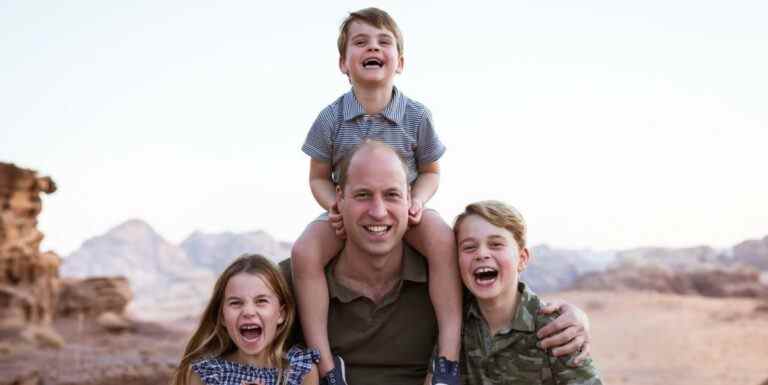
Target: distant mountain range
<point>167,280</point>
<point>170,280</point>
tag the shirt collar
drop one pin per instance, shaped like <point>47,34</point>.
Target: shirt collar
<point>523,320</point>
<point>394,111</point>
<point>414,270</point>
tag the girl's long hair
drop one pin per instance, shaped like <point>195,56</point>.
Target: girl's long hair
<point>211,339</point>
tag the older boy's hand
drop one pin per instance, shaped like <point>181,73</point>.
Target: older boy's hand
<point>568,333</point>
<point>414,213</point>
<point>336,221</point>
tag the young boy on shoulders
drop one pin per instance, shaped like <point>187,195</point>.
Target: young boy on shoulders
<point>502,316</point>
<point>371,55</point>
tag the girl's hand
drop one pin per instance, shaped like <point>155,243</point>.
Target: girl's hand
<point>336,221</point>
<point>414,213</point>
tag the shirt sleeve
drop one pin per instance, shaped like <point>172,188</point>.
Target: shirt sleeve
<point>584,374</point>
<point>300,363</point>
<point>208,371</point>
<point>429,148</point>
<point>318,144</point>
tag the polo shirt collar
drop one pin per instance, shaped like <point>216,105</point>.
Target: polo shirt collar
<point>394,111</point>
<point>414,270</point>
<point>523,319</point>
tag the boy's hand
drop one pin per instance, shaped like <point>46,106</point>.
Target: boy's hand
<point>337,223</point>
<point>414,213</point>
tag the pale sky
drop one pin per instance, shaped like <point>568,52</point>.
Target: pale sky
<point>609,124</point>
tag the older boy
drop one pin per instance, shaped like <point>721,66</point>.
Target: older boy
<point>502,317</point>
<point>371,54</point>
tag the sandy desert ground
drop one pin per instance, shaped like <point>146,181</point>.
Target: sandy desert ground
<point>639,338</point>
<point>652,339</point>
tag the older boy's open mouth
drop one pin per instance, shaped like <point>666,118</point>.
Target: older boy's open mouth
<point>372,63</point>
<point>250,331</point>
<point>484,275</point>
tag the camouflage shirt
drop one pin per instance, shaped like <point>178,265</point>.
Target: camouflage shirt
<point>511,357</point>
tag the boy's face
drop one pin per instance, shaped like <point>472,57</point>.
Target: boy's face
<point>372,58</point>
<point>490,259</point>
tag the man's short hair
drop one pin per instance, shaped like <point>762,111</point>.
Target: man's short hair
<point>366,144</point>
<point>498,214</point>
<point>371,16</point>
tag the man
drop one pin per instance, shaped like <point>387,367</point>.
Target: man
<point>380,316</point>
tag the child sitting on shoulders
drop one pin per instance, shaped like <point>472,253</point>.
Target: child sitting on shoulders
<point>499,343</point>
<point>371,55</point>
<point>242,331</point>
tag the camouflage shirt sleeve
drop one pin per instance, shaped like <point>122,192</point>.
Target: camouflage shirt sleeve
<point>561,370</point>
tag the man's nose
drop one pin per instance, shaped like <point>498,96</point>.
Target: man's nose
<point>377,209</point>
<point>373,46</point>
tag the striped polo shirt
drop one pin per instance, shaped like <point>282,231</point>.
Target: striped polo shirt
<point>405,124</point>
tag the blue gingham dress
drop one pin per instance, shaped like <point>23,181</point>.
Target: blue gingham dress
<point>218,371</point>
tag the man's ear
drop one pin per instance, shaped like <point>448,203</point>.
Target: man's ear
<point>339,194</point>
<point>523,259</point>
<point>400,65</point>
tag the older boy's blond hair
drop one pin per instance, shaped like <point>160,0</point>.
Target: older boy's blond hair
<point>498,214</point>
<point>372,16</point>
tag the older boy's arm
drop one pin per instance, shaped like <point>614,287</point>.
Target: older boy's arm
<point>568,333</point>
<point>320,183</point>
<point>424,187</point>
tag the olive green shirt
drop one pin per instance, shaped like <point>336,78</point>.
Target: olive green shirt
<point>511,356</point>
<point>383,343</point>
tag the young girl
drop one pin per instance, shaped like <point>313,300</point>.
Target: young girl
<point>242,331</point>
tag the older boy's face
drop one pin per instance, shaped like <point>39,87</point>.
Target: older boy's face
<point>372,57</point>
<point>490,259</point>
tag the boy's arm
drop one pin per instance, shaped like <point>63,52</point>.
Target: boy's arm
<point>320,183</point>
<point>424,187</point>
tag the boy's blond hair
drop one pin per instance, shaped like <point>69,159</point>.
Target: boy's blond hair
<point>372,16</point>
<point>498,214</point>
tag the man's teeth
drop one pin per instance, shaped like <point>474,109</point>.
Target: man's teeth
<point>377,228</point>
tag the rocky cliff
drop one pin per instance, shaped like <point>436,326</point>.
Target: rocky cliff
<point>28,277</point>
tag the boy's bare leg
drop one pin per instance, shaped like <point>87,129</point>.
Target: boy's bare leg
<point>316,246</point>
<point>435,240</point>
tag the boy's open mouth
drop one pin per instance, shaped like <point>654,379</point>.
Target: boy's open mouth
<point>377,229</point>
<point>250,331</point>
<point>484,275</point>
<point>372,63</point>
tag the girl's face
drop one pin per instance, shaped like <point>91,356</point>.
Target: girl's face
<point>490,259</point>
<point>251,312</point>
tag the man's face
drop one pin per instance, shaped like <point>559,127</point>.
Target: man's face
<point>374,203</point>
<point>372,57</point>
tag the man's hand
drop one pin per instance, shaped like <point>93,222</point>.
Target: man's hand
<point>336,221</point>
<point>414,213</point>
<point>568,333</point>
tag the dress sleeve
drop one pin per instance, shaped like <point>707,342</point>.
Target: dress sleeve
<point>300,363</point>
<point>429,148</point>
<point>208,371</point>
<point>318,142</point>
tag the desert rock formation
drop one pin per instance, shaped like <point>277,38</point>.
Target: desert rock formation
<point>28,278</point>
<point>738,281</point>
